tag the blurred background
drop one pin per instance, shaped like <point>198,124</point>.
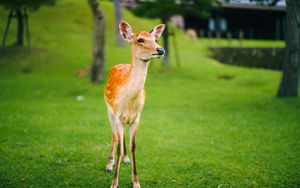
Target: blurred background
<point>222,106</point>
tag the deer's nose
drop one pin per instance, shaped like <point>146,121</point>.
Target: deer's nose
<point>160,51</point>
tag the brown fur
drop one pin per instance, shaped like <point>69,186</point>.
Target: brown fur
<point>125,95</point>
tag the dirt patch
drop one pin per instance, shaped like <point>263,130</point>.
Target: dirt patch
<point>225,77</point>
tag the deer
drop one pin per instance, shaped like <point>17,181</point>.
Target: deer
<point>124,95</point>
<point>191,33</point>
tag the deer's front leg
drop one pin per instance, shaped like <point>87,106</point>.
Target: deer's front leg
<point>110,163</point>
<point>133,130</point>
<point>120,151</point>
<point>126,158</point>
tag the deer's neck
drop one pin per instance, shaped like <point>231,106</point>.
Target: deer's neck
<point>137,75</point>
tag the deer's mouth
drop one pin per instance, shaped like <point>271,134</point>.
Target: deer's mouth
<point>146,59</point>
<point>157,55</point>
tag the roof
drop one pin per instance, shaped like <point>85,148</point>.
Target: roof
<point>252,7</point>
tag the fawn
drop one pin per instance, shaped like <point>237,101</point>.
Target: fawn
<point>125,95</point>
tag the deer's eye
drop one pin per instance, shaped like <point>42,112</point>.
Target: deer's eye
<point>140,40</point>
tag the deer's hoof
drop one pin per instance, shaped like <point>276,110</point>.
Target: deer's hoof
<point>114,184</point>
<point>126,160</point>
<point>136,184</point>
<point>108,170</point>
<point>110,166</point>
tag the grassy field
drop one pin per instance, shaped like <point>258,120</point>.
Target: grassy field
<point>197,129</point>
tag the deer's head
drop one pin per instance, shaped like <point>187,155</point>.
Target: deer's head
<point>144,44</point>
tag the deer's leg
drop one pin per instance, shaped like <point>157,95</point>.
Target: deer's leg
<point>111,160</point>
<point>133,130</point>
<point>120,152</point>
<point>126,158</point>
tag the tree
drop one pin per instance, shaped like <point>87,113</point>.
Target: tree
<point>97,70</point>
<point>291,67</point>
<point>20,7</point>
<point>118,18</point>
<point>163,9</point>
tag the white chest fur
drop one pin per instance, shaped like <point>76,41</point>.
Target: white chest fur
<point>132,96</point>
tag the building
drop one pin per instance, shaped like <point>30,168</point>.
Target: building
<point>242,18</point>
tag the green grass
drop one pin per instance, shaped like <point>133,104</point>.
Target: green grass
<point>196,130</point>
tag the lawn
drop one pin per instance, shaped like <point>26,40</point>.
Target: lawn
<point>197,129</point>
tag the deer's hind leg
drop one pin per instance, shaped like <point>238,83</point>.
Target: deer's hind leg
<point>111,157</point>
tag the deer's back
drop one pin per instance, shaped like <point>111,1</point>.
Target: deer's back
<point>117,77</point>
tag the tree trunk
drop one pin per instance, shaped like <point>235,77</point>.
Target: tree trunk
<point>7,26</point>
<point>118,18</point>
<point>291,68</point>
<point>166,44</point>
<point>20,32</point>
<point>97,70</point>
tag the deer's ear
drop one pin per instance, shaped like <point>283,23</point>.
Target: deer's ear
<point>157,31</point>
<point>125,30</point>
